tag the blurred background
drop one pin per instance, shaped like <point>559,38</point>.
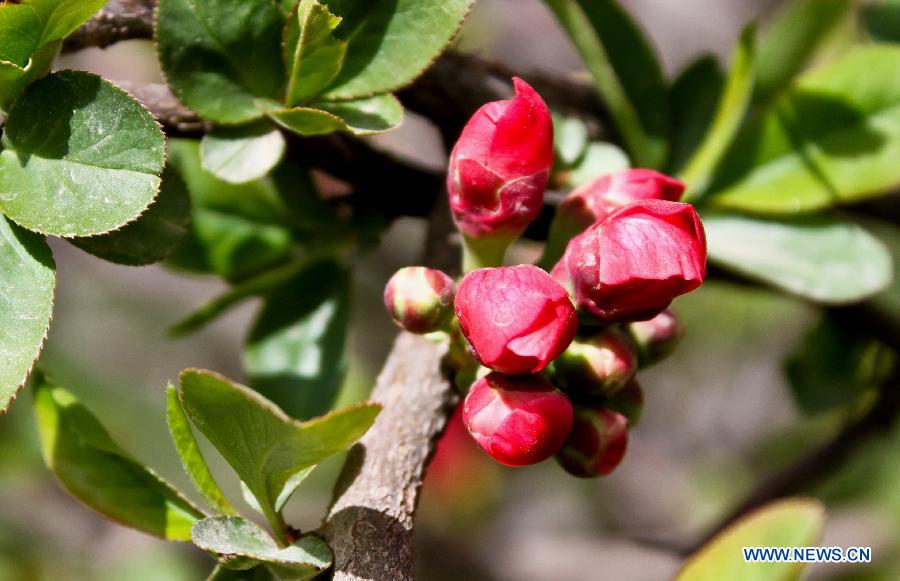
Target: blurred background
<point>719,415</point>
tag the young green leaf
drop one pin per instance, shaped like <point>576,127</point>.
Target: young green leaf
<point>833,137</point>
<point>14,79</point>
<point>26,304</point>
<point>238,543</point>
<point>625,71</point>
<point>93,469</point>
<point>259,573</point>
<point>312,53</point>
<point>599,158</point>
<point>295,353</point>
<point>823,259</point>
<point>694,97</point>
<point>191,457</point>
<point>27,26</point>
<point>80,157</point>
<point>391,42</point>
<point>265,447</point>
<point>791,41</point>
<point>154,235</point>
<point>242,154</point>
<point>367,116</point>
<point>833,366</point>
<point>219,55</point>
<point>570,139</point>
<point>793,522</point>
<point>730,113</point>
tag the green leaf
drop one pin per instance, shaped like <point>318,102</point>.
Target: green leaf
<point>823,259</point>
<point>834,137</point>
<point>242,154</point>
<point>792,40</point>
<point>80,157</point>
<point>262,444</point>
<point>14,79</point>
<point>730,112</point>
<point>794,522</point>
<point>240,544</point>
<point>27,25</point>
<point>625,71</point>
<point>93,469</point>
<point>882,20</point>
<point>391,42</point>
<point>191,457</point>
<point>237,230</point>
<point>570,139</point>
<point>154,235</point>
<point>26,305</point>
<point>313,54</point>
<point>694,98</point>
<point>833,366</point>
<point>295,353</point>
<point>599,158</point>
<point>219,55</point>
<point>367,116</point>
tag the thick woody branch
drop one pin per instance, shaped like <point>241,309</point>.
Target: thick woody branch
<point>118,20</point>
<point>370,524</point>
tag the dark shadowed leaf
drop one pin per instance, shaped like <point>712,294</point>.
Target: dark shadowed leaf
<point>259,573</point>
<point>92,467</point>
<point>27,280</point>
<point>14,79</point>
<point>295,354</point>
<point>826,260</point>
<point>219,55</point>
<point>882,20</point>
<point>240,544</point>
<point>80,157</point>
<point>154,235</point>
<point>266,448</point>
<point>790,42</point>
<point>391,42</point>
<point>694,97</point>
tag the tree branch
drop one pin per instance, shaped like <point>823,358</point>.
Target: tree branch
<point>370,523</point>
<point>118,20</point>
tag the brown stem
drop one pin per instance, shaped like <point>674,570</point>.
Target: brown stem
<point>370,523</point>
<point>118,20</point>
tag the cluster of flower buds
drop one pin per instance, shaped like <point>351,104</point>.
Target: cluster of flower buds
<point>559,350</point>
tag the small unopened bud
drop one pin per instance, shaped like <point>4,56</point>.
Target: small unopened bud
<point>629,402</point>
<point>656,338</point>
<point>596,444</point>
<point>420,299</point>
<point>517,419</point>
<point>599,365</point>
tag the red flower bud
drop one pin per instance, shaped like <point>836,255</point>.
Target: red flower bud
<point>420,299</point>
<point>518,420</point>
<point>629,401</point>
<point>656,338</point>
<point>596,444</point>
<point>517,319</point>
<point>500,165</point>
<point>598,365</point>
<point>630,265</point>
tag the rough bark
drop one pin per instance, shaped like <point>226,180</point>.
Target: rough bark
<point>370,524</point>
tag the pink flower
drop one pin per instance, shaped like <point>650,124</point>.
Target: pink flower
<point>500,165</point>
<point>518,420</point>
<point>516,319</point>
<point>606,194</point>
<point>420,299</point>
<point>596,444</point>
<point>630,265</point>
